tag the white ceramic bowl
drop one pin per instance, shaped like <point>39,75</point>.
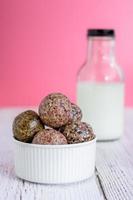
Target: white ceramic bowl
<point>54,164</point>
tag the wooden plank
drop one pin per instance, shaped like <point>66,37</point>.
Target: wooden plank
<point>12,188</point>
<point>115,169</point>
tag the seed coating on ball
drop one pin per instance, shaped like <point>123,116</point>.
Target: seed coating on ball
<point>78,132</point>
<point>26,125</point>
<point>54,110</point>
<point>49,136</point>
<point>76,113</point>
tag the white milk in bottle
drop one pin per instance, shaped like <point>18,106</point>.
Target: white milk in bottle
<point>100,87</point>
<point>102,106</point>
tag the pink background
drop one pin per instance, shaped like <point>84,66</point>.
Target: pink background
<point>43,43</point>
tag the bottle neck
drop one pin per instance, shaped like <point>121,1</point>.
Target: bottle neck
<point>101,50</point>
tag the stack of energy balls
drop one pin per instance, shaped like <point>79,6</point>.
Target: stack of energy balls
<point>58,122</point>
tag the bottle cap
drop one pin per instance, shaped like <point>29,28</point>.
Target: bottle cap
<point>100,32</point>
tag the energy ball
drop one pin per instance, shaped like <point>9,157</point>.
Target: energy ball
<point>26,125</point>
<point>54,110</point>
<point>49,136</point>
<point>76,113</point>
<point>78,132</point>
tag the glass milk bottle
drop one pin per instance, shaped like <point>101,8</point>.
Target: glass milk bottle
<point>100,86</point>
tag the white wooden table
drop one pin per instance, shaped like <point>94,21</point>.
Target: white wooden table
<point>113,179</point>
